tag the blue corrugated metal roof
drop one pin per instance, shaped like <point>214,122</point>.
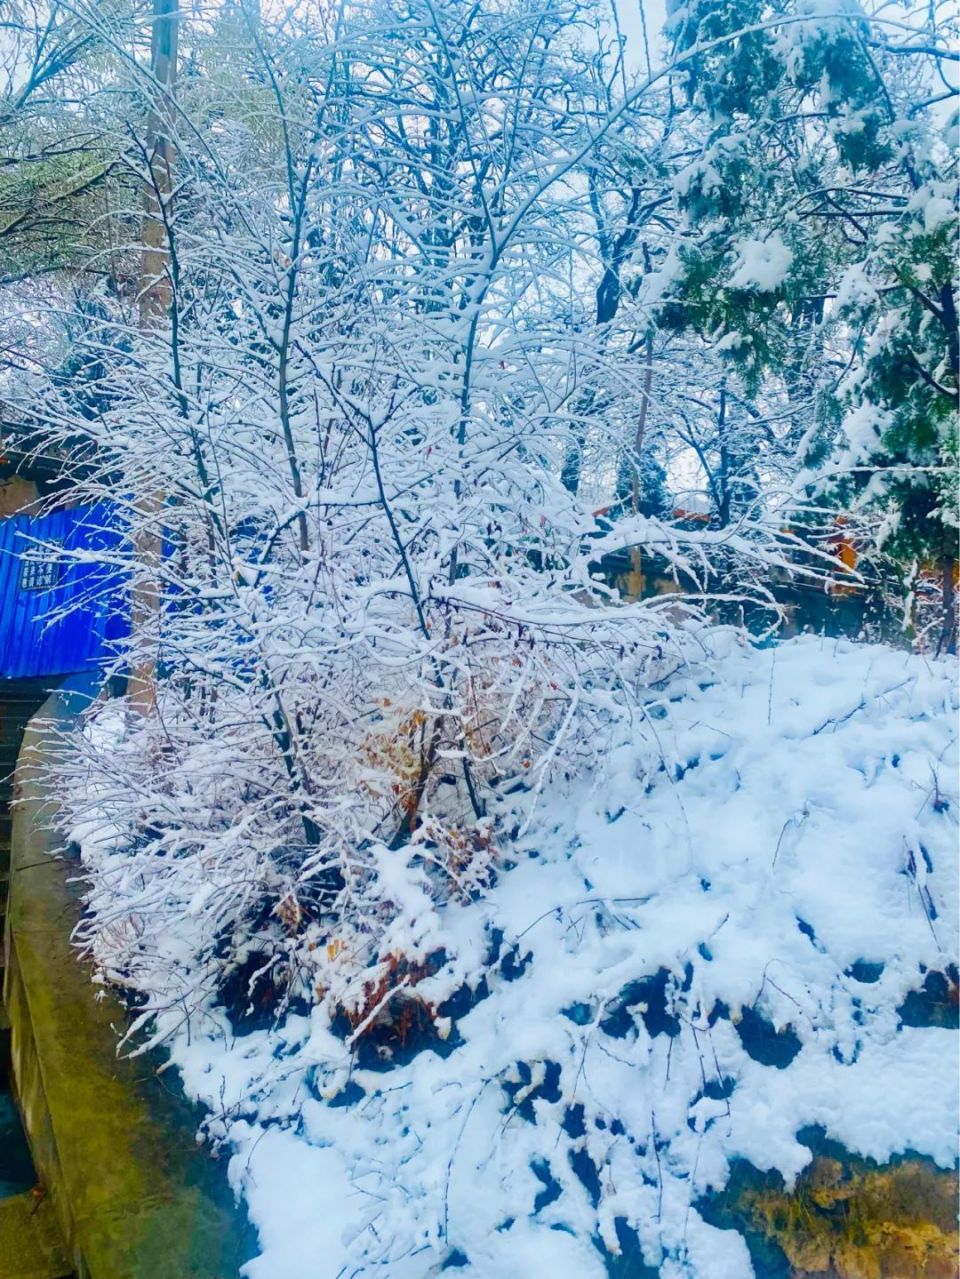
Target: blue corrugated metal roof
<point>58,618</point>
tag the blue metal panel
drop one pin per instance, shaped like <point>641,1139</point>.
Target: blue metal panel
<point>58,618</point>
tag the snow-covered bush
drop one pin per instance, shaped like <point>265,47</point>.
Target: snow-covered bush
<point>339,466</point>
<point>335,418</point>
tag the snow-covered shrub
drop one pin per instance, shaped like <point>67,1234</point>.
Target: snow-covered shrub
<point>378,634</point>
<point>366,620</point>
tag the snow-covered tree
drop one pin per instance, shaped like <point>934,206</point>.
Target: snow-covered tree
<point>400,268</point>
<point>823,182</point>
<point>376,627</point>
<point>900,430</point>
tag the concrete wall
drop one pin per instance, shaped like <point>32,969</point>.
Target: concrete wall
<point>133,1195</point>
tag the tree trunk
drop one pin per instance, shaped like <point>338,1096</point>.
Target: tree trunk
<point>724,509</point>
<point>642,421</point>
<point>948,635</point>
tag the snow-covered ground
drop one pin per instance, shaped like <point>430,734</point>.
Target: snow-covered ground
<point>774,850</point>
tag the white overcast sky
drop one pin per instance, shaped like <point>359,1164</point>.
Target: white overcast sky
<point>631,15</point>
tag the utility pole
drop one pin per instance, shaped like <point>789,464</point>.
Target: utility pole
<point>154,298</point>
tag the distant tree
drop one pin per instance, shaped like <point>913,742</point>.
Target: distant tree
<point>57,159</point>
<point>818,257</point>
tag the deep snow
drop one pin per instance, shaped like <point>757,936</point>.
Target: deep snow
<point>781,823</point>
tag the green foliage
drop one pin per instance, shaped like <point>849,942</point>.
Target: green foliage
<point>903,301</point>
<point>792,110</point>
<point>819,141</point>
<point>47,204</point>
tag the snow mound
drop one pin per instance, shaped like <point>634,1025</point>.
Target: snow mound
<point>687,960</point>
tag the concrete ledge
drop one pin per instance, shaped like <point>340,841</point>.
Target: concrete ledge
<point>114,1147</point>
<point>30,1245</point>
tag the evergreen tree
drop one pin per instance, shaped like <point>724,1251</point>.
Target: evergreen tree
<point>901,425</point>
<point>819,251</point>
